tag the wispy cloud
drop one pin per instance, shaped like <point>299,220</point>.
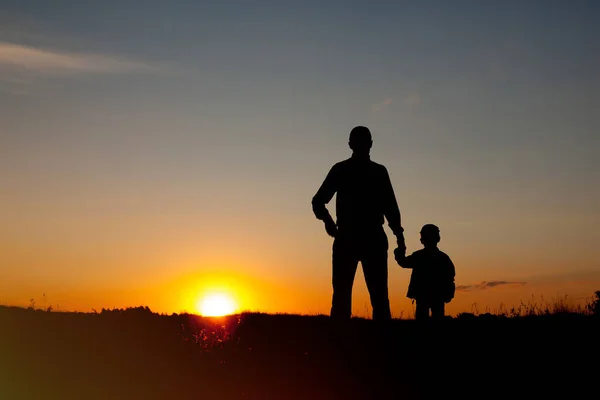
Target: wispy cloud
<point>487,285</point>
<point>381,105</point>
<point>410,100</point>
<point>14,85</point>
<point>413,99</point>
<point>35,59</point>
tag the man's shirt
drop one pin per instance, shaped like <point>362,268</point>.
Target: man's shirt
<point>364,197</point>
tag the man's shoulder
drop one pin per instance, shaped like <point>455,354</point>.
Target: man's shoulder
<point>342,163</point>
<point>338,167</point>
<point>380,168</point>
<point>349,165</point>
<point>376,165</point>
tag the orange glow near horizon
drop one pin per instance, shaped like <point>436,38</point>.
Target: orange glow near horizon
<point>228,289</point>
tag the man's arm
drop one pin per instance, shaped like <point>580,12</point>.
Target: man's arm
<point>324,196</point>
<point>391,210</point>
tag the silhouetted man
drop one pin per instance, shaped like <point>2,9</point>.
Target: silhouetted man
<point>364,197</point>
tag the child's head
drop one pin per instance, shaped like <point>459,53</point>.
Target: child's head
<point>430,235</point>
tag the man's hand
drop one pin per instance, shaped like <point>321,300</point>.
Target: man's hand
<point>331,228</point>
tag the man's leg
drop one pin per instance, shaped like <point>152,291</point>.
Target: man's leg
<point>344,263</point>
<point>437,310</point>
<point>422,311</point>
<point>375,268</point>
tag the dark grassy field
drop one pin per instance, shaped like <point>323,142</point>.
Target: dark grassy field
<point>136,354</point>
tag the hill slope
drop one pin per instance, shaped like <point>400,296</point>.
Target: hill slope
<point>136,354</point>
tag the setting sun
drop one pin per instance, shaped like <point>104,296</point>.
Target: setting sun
<point>216,305</point>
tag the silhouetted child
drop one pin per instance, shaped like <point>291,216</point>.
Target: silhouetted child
<point>432,279</point>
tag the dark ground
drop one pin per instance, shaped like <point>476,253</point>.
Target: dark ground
<point>135,354</point>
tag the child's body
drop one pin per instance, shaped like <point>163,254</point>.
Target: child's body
<point>432,279</point>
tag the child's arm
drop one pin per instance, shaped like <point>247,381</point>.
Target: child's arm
<point>404,261</point>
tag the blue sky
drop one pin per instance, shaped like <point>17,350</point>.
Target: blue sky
<point>215,122</point>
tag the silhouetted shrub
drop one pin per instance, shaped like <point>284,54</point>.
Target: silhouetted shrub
<point>466,316</point>
<point>489,317</point>
<point>594,306</point>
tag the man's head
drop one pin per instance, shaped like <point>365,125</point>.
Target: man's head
<point>430,235</point>
<point>360,140</point>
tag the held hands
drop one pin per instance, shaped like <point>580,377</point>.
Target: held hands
<point>399,255</point>
<point>400,251</point>
<point>401,245</point>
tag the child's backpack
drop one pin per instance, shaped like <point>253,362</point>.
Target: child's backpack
<point>451,289</point>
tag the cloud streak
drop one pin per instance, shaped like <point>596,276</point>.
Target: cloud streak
<point>380,106</point>
<point>34,59</point>
<point>487,284</point>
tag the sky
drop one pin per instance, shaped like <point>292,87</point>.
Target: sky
<point>154,152</point>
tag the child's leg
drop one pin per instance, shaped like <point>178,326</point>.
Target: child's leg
<point>437,310</point>
<point>422,310</point>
